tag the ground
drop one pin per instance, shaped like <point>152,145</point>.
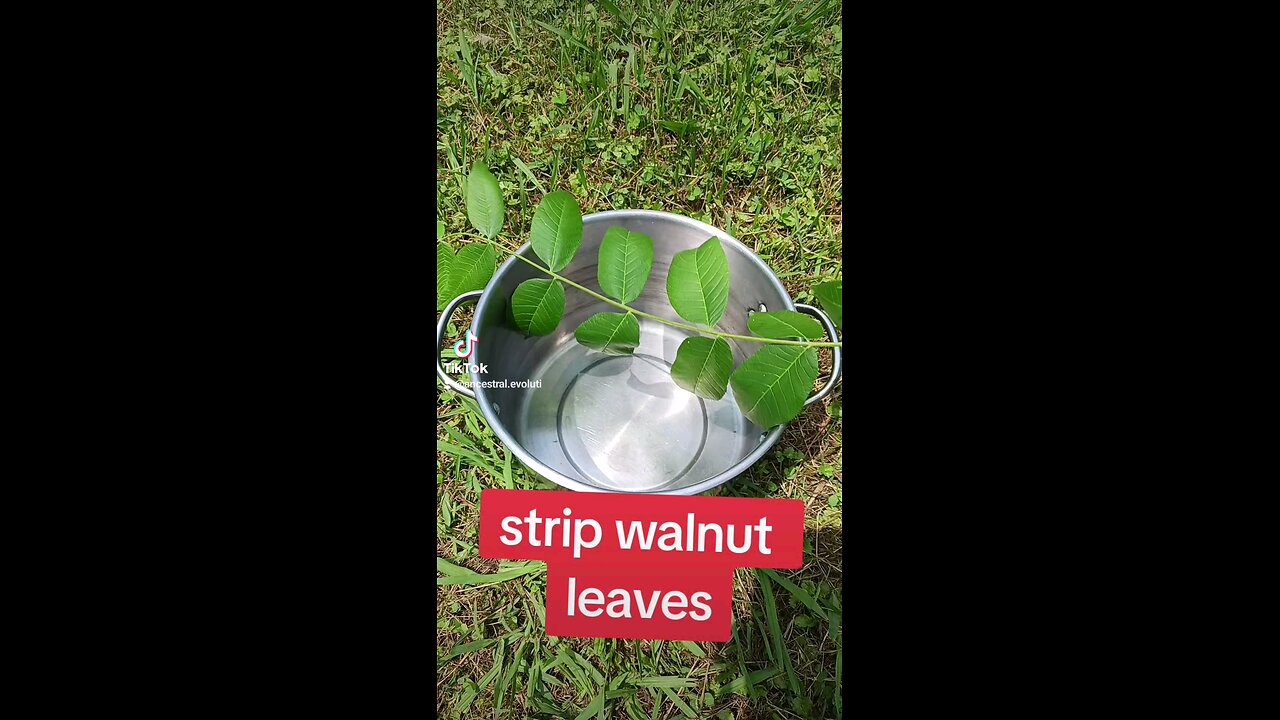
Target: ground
<point>728,112</point>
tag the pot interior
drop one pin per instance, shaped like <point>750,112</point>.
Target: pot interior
<point>620,423</point>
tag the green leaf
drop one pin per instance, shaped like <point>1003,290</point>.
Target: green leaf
<point>698,283</point>
<point>669,681</point>
<point>739,684</point>
<point>772,385</point>
<point>797,591</point>
<point>625,260</point>
<point>829,295</point>
<point>446,514</point>
<point>505,683</point>
<point>556,231</point>
<point>492,675</point>
<point>838,676</point>
<point>681,705</point>
<point>439,230</point>
<point>536,306</point>
<point>471,269</point>
<point>469,692</point>
<point>692,647</point>
<point>564,34</point>
<point>781,324</point>
<point>444,260</point>
<point>775,630</point>
<point>482,579</point>
<point>594,708</point>
<point>702,366</point>
<point>466,648</point>
<point>484,201</point>
<point>610,333</point>
<point>681,127</point>
<point>470,456</point>
<point>608,5</point>
<point>449,568</point>
<point>528,173</point>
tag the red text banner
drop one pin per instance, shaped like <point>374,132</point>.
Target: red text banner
<point>656,567</point>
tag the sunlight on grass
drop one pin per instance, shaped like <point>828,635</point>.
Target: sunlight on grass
<point>732,117</point>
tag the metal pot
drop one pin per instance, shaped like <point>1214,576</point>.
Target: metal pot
<point>619,423</point>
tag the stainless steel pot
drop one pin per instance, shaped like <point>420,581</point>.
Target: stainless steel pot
<point>619,423</point>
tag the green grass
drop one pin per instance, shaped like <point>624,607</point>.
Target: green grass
<point>727,112</point>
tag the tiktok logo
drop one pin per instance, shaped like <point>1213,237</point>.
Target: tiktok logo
<point>469,340</point>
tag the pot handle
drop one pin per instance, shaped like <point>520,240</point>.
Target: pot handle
<point>836,361</point>
<point>440,328</point>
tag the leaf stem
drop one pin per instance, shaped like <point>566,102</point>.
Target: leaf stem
<point>664,321</point>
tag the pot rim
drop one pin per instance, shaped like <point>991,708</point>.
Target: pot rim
<point>569,483</point>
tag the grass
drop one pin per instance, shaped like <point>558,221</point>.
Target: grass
<point>726,112</point>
